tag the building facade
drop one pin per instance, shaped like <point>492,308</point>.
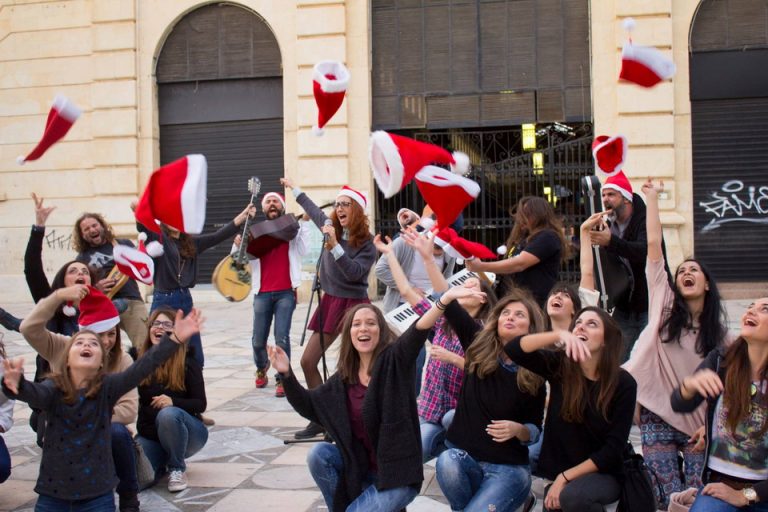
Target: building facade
<point>159,79</point>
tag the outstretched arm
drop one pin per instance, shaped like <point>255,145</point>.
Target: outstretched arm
<point>653,219</point>
<point>425,247</point>
<point>389,271</point>
<point>586,257</point>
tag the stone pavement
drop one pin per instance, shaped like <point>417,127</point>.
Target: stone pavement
<point>245,466</point>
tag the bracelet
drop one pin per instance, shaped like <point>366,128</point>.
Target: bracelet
<point>440,305</point>
<point>565,478</point>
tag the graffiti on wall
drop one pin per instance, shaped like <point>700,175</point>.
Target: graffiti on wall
<point>54,241</point>
<point>736,202</point>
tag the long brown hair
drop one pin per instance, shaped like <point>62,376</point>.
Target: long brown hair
<point>79,242</point>
<point>63,379</point>
<point>115,354</point>
<point>575,394</point>
<point>171,373</point>
<point>485,308</point>
<point>348,364</point>
<point>482,356</point>
<point>738,379</point>
<point>533,215</point>
<point>357,225</point>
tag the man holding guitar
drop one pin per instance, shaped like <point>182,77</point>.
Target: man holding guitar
<point>279,248</point>
<point>94,241</point>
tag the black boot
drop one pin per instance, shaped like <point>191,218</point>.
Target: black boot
<point>129,502</point>
<point>312,430</point>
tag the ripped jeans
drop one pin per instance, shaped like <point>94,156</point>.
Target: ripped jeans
<point>475,486</point>
<point>326,466</point>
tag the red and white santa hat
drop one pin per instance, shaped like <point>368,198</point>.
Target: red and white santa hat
<point>644,65</point>
<point>329,85</point>
<point>621,184</point>
<point>446,193</point>
<point>137,263</point>
<point>395,160</point>
<point>97,312</point>
<point>275,195</point>
<point>355,195</point>
<point>61,117</point>
<point>461,248</point>
<point>610,152</point>
<point>175,196</point>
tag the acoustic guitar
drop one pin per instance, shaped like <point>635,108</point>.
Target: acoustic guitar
<point>121,280</point>
<point>232,276</point>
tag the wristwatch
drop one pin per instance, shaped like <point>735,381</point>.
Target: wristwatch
<point>750,494</point>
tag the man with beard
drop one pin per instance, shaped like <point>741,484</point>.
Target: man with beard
<point>94,241</point>
<point>627,239</point>
<point>275,290</point>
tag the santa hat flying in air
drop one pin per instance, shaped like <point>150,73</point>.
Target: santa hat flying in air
<point>137,263</point>
<point>446,193</point>
<point>395,160</point>
<point>644,65</point>
<point>609,152</point>
<point>61,117</point>
<point>175,195</point>
<point>329,85</point>
<point>461,248</point>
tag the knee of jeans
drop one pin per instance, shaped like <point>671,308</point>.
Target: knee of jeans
<point>120,432</point>
<point>573,498</point>
<point>449,462</point>
<point>320,455</point>
<point>168,416</point>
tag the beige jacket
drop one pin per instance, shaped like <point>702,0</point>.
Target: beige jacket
<point>50,346</point>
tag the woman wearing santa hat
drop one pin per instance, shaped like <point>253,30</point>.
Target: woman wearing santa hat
<point>534,250</point>
<point>344,269</point>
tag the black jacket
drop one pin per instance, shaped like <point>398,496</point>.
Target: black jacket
<point>713,362</point>
<point>389,416</point>
<point>633,246</point>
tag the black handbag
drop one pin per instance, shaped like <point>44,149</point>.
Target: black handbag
<point>637,486</point>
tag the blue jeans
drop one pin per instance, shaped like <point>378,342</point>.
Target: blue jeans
<point>181,436</point>
<point>433,436</point>
<point>103,503</point>
<point>326,466</point>
<point>5,461</point>
<point>534,451</point>
<point>631,323</point>
<point>265,306</point>
<point>124,458</point>
<point>180,298</point>
<point>710,504</point>
<point>475,486</point>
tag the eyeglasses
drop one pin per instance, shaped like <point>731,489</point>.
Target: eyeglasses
<point>342,204</point>
<point>163,325</point>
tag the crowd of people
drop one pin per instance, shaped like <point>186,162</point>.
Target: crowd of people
<point>524,377</point>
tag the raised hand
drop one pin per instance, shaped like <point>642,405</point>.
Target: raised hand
<point>41,212</point>
<point>250,211</point>
<point>460,292</point>
<point>187,326</point>
<point>74,293</point>
<point>651,189</point>
<point>14,369</point>
<point>383,245</point>
<point>422,244</point>
<point>574,348</point>
<point>287,183</point>
<point>278,359</point>
<point>704,382</point>
<point>594,221</point>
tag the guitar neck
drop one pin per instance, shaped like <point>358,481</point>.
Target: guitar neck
<point>243,239</point>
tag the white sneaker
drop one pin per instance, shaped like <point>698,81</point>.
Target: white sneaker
<point>177,480</point>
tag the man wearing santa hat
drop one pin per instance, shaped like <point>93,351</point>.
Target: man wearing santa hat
<point>626,238</point>
<point>275,291</point>
<point>94,242</point>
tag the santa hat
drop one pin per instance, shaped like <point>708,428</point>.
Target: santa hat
<point>61,117</point>
<point>461,248</point>
<point>446,193</point>
<point>175,196</point>
<point>97,312</point>
<point>275,195</point>
<point>644,65</point>
<point>137,263</point>
<point>610,153</point>
<point>329,84</point>
<point>395,160</point>
<point>619,183</point>
<point>355,195</point>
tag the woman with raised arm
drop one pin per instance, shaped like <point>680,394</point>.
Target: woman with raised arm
<point>345,264</point>
<point>535,248</point>
<point>369,411</point>
<point>499,410</point>
<point>445,369</point>
<point>591,404</point>
<point>77,470</point>
<point>685,322</point>
<point>733,382</point>
<point>171,401</point>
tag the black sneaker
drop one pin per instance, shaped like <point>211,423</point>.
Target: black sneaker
<point>530,502</point>
<point>129,502</point>
<point>312,430</point>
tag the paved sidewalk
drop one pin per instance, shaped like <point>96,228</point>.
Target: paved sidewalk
<point>245,466</point>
